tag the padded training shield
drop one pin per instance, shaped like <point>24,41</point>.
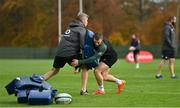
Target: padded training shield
<point>33,82</point>
<point>37,97</point>
<point>22,96</point>
<point>30,83</point>
<point>33,90</point>
<point>89,48</point>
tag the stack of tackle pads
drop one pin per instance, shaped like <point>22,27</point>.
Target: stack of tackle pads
<point>32,90</point>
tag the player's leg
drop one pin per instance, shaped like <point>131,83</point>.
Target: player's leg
<point>171,67</point>
<point>106,75</point>
<point>136,52</point>
<point>99,78</point>
<point>50,73</point>
<point>84,81</point>
<point>171,55</point>
<point>59,62</point>
<point>77,68</point>
<point>165,57</point>
<point>109,77</point>
<point>134,55</point>
<point>161,64</point>
<point>107,62</point>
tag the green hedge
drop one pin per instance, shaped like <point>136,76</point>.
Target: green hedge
<point>50,52</point>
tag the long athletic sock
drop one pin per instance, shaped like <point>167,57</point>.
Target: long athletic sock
<point>119,82</point>
<point>101,87</point>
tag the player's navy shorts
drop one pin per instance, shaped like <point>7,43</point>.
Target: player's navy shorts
<point>168,54</point>
<point>109,59</point>
<point>59,62</point>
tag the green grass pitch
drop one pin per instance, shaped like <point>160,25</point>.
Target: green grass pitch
<point>141,89</point>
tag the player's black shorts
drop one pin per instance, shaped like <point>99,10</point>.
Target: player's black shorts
<point>109,59</point>
<point>135,52</point>
<point>168,54</point>
<point>59,62</point>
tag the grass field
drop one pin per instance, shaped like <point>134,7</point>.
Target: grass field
<point>141,89</point>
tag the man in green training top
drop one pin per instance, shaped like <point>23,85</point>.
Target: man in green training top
<point>105,56</point>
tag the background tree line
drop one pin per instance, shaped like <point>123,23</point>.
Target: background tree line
<point>34,23</point>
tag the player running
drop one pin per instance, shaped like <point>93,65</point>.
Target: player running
<point>135,47</point>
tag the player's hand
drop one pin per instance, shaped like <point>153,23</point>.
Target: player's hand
<point>75,62</point>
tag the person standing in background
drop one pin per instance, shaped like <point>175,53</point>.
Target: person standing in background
<point>169,47</point>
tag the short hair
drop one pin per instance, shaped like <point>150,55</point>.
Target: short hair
<point>98,36</point>
<point>171,18</point>
<point>81,15</point>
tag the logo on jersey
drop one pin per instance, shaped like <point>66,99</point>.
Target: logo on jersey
<point>67,33</point>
